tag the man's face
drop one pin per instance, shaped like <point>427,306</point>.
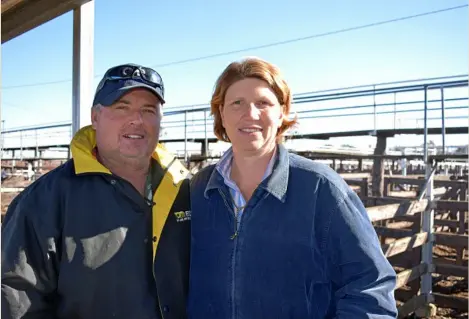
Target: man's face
<point>129,128</point>
<point>251,115</point>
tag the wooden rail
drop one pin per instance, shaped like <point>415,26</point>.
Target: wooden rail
<point>448,207</point>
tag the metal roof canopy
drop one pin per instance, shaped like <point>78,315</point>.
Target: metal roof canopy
<point>21,16</point>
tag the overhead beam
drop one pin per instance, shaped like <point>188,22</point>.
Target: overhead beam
<point>8,4</point>
<point>387,132</point>
<point>23,16</point>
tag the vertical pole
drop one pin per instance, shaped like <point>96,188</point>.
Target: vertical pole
<point>443,121</point>
<point>427,226</point>
<point>69,151</point>
<point>205,130</point>
<point>82,78</point>
<point>37,145</point>
<point>21,145</point>
<point>374,107</point>
<point>394,110</point>
<point>425,126</point>
<point>3,135</point>
<point>428,214</point>
<point>377,170</point>
<point>185,137</point>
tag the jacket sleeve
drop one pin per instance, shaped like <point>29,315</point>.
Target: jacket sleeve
<point>28,261</point>
<point>364,278</point>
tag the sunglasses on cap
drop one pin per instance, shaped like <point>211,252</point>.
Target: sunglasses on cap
<point>134,72</point>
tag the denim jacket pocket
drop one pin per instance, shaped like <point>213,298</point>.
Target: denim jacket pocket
<point>319,298</point>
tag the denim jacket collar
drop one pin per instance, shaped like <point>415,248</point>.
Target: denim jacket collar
<point>276,184</point>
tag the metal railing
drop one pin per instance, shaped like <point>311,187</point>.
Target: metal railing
<point>436,102</point>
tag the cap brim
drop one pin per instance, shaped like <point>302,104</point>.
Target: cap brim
<point>113,97</point>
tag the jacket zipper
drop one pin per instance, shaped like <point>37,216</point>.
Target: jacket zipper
<point>233,237</point>
<point>153,266</point>
<point>154,277</point>
<point>235,234</point>
<point>151,215</point>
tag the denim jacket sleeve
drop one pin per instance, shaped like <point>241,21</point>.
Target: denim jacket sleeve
<point>363,277</point>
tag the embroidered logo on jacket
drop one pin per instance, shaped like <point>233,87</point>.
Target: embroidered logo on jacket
<point>183,216</point>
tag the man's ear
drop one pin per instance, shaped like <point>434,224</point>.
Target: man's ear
<point>94,117</point>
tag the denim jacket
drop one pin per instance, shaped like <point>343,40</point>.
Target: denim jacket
<point>304,248</point>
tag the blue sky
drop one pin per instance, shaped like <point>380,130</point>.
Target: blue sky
<point>160,32</point>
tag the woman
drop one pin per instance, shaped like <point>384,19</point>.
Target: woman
<point>276,235</point>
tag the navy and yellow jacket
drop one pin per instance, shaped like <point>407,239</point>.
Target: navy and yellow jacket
<point>80,242</point>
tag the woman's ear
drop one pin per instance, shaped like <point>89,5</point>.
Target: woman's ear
<point>222,116</point>
<point>282,115</point>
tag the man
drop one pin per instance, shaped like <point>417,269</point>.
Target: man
<point>105,235</point>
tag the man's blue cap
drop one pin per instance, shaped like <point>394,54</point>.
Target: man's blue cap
<point>121,79</point>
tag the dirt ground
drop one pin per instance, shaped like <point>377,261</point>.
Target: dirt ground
<point>7,197</point>
<point>450,285</point>
<point>6,200</point>
<point>456,286</point>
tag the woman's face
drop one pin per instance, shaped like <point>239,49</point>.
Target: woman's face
<point>251,115</point>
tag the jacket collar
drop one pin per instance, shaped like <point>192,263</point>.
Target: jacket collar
<point>276,184</point>
<point>84,143</point>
